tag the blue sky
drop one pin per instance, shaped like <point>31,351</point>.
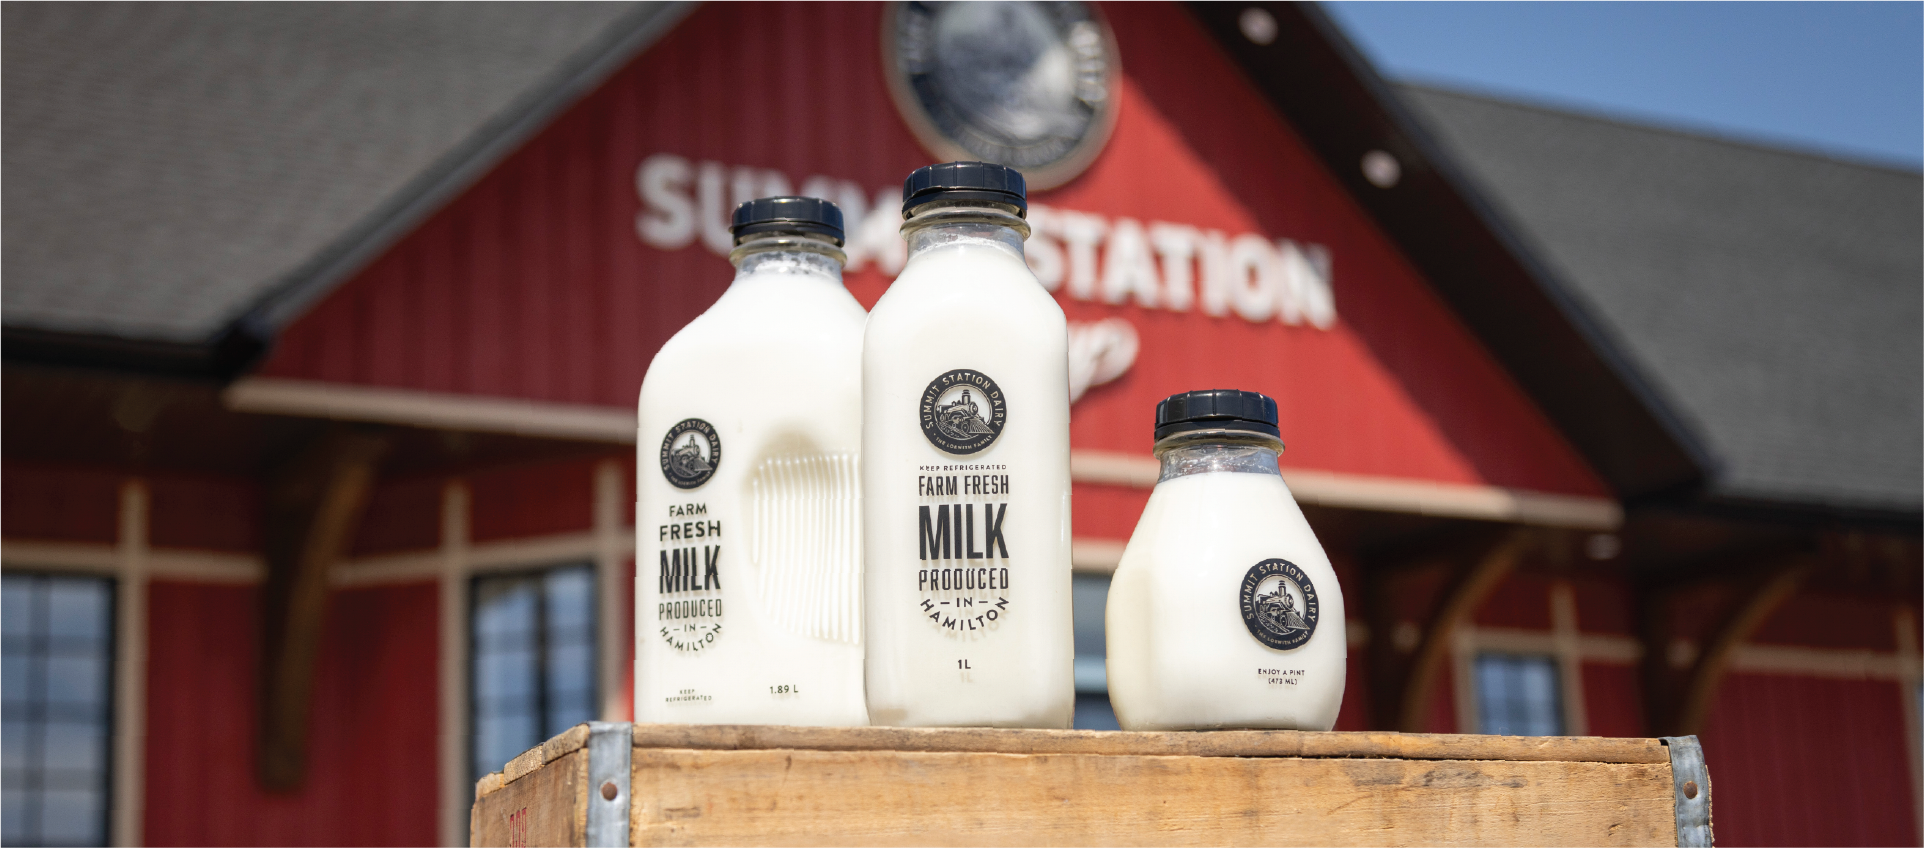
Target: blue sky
<point>1840,79</point>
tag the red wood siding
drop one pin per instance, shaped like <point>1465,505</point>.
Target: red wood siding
<point>1519,601</point>
<point>1442,717</point>
<point>625,632</point>
<point>403,514</point>
<point>534,283</point>
<point>1106,512</point>
<point>534,499</point>
<point>1355,712</point>
<point>63,503</point>
<point>1803,761</point>
<point>1612,699</point>
<point>207,513</point>
<point>372,745</point>
<point>1823,620</point>
<point>1603,605</point>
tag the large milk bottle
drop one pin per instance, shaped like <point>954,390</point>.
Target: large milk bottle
<point>1224,611</point>
<point>965,468</point>
<point>747,514</point>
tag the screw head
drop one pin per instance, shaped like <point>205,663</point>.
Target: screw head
<point>608,791</point>
<point>1689,788</point>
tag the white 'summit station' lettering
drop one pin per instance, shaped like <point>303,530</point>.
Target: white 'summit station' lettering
<point>1156,264</point>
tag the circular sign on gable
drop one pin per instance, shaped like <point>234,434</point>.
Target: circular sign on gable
<point>1030,85</point>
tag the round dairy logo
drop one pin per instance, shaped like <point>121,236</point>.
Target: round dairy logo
<point>690,453</point>
<point>1279,604</point>
<point>1025,84</point>
<point>963,411</point>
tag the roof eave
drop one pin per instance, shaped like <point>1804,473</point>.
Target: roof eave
<point>220,358</point>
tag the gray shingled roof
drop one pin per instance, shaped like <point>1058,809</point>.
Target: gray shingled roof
<point>1774,299</point>
<point>167,164</point>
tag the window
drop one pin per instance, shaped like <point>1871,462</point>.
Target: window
<point>58,667</point>
<point>533,660</point>
<point>1090,593</point>
<point>1518,695</point>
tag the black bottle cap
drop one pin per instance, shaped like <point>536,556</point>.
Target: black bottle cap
<point>966,181</point>
<point>787,215</point>
<point>1216,409</point>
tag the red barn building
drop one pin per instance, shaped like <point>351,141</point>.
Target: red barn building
<point>323,328</point>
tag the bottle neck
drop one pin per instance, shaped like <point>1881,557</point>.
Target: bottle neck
<point>1217,451</point>
<point>785,253</point>
<point>936,225</point>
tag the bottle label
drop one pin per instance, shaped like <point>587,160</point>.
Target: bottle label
<point>688,607</point>
<point>963,412</point>
<point>1279,604</point>
<point>690,453</point>
<point>962,544</point>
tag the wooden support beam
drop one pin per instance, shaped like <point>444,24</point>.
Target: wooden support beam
<point>1403,676</point>
<point>1763,597</point>
<point>315,502</point>
<point>1677,705</point>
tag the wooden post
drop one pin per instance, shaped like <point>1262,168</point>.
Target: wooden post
<point>314,506</point>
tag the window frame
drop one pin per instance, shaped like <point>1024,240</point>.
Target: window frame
<point>109,716</point>
<point>1558,711</point>
<point>538,574</point>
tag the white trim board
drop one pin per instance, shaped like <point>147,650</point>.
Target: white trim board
<point>1095,556</point>
<point>129,797</point>
<point>1383,494</point>
<point>451,690</point>
<point>614,545</point>
<point>313,399</point>
<point>161,564</point>
<point>196,566</point>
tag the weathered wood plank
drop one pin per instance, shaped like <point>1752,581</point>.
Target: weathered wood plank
<point>814,797</point>
<point>546,805</point>
<point>564,743</point>
<point>1223,743</point>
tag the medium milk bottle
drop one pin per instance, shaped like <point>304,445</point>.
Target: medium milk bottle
<point>965,468</point>
<point>747,514</point>
<point>1224,611</point>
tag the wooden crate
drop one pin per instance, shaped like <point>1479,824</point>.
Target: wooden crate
<point>761,785</point>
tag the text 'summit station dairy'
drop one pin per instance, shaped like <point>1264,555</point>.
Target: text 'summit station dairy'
<point>748,514</point>
<point>1224,611</point>
<point>965,446</point>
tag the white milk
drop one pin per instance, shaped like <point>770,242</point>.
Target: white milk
<point>967,558</point>
<point>1181,655</point>
<point>748,585</point>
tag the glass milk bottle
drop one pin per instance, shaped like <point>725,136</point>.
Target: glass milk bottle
<point>965,468</point>
<point>1224,611</point>
<point>747,514</point>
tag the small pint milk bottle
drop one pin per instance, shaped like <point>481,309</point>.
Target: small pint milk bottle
<point>965,468</point>
<point>1224,612</point>
<point>748,514</point>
